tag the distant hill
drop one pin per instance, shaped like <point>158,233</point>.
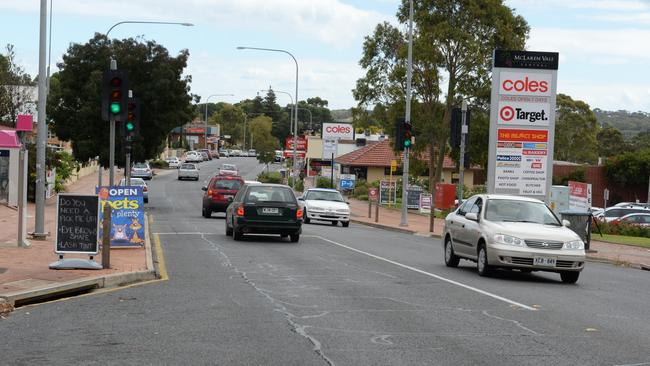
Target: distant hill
<point>629,123</point>
<point>342,115</point>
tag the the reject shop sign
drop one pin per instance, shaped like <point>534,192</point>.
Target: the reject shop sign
<point>338,131</point>
<point>522,123</point>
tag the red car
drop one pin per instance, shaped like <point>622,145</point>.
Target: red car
<point>219,193</point>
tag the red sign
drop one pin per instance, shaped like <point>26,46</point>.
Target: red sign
<point>194,130</point>
<point>577,189</point>
<point>302,143</point>
<point>373,194</point>
<point>507,134</point>
<point>289,154</point>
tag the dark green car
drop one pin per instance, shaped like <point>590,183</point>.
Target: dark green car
<point>264,209</point>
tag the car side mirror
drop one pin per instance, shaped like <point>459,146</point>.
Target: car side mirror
<point>301,198</point>
<point>471,216</point>
<point>566,223</point>
<point>204,188</point>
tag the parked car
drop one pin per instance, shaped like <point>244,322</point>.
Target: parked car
<point>205,155</point>
<point>614,212</point>
<point>224,153</point>
<point>265,209</point>
<point>193,157</point>
<point>325,205</point>
<point>639,219</point>
<point>235,152</point>
<point>188,171</point>
<point>228,169</point>
<point>252,153</point>
<point>173,162</point>
<point>138,182</point>
<point>501,231</point>
<point>214,154</point>
<point>219,192</point>
<point>141,170</point>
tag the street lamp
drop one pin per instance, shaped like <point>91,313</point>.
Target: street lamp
<point>206,114</point>
<point>295,134</point>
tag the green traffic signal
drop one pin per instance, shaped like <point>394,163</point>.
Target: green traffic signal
<point>130,126</point>
<point>115,108</point>
<point>407,143</point>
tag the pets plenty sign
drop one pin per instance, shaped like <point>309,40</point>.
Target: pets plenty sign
<point>127,218</point>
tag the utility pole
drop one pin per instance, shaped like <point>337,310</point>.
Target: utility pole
<point>407,118</point>
<point>41,135</point>
<point>463,133</point>
<point>111,152</point>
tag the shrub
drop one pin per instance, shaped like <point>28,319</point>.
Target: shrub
<point>271,177</point>
<point>300,186</point>
<point>361,190</point>
<point>159,164</point>
<point>323,182</point>
<point>362,197</point>
<point>621,228</point>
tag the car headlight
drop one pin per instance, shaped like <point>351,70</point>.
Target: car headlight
<point>508,240</point>
<point>574,244</point>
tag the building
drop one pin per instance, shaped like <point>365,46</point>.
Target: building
<point>195,136</point>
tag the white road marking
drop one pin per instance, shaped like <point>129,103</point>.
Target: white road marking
<point>186,233</point>
<point>482,292</point>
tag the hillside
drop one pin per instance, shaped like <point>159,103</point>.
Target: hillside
<point>629,123</point>
<point>342,115</point>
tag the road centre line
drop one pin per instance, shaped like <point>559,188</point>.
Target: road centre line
<point>482,292</point>
<point>185,233</point>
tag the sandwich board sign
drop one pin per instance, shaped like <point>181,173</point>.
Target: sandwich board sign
<point>522,123</point>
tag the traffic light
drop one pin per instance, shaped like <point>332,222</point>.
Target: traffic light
<point>115,87</point>
<point>132,123</point>
<point>407,135</point>
<point>399,134</point>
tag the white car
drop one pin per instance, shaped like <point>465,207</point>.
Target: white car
<point>142,170</point>
<point>235,152</point>
<point>325,205</point>
<point>173,162</point>
<point>193,157</point>
<point>188,171</point>
<point>502,231</point>
<point>252,153</point>
<point>614,212</point>
<point>228,169</point>
<point>138,182</point>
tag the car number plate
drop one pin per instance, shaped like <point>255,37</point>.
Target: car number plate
<point>544,261</point>
<point>270,210</point>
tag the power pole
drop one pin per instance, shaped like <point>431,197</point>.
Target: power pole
<point>41,135</point>
<point>407,118</point>
<point>463,133</point>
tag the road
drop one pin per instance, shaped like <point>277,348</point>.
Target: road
<point>343,296</point>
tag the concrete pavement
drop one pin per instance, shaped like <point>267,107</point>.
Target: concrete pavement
<point>24,272</point>
<point>418,224</point>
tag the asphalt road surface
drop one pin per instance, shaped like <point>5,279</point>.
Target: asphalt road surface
<point>343,296</point>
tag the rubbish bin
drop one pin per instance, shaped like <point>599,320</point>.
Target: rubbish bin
<point>580,224</point>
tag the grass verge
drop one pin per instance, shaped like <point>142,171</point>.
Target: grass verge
<point>625,240</point>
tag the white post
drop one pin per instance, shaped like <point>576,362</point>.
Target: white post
<point>41,135</point>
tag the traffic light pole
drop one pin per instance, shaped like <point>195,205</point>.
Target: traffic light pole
<point>405,166</point>
<point>463,133</point>
<point>111,152</point>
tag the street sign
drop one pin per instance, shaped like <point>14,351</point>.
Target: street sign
<point>373,194</point>
<point>425,203</point>
<point>346,184</point>
<point>329,147</point>
<point>127,216</point>
<point>579,196</point>
<point>386,188</point>
<point>413,197</point>
<point>77,223</point>
<point>393,165</point>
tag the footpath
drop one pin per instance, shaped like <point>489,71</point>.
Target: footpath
<point>24,273</point>
<point>418,224</point>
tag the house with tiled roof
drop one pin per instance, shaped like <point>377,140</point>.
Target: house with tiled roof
<point>372,162</point>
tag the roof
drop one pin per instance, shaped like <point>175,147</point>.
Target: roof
<point>379,154</point>
<point>8,138</point>
<point>510,197</point>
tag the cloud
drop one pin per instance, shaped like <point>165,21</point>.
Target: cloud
<point>611,97</point>
<point>619,5</point>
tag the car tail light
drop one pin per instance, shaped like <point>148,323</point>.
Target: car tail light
<point>240,211</point>
<point>210,192</point>
<point>299,213</point>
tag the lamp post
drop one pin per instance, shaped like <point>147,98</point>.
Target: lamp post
<point>111,153</point>
<point>295,134</point>
<point>407,118</point>
<point>206,114</point>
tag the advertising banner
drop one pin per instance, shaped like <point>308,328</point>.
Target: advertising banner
<point>127,218</point>
<point>579,196</point>
<point>329,147</point>
<point>413,197</point>
<point>387,192</point>
<point>522,123</point>
<point>302,143</point>
<point>426,200</point>
<point>337,131</point>
<point>373,194</point>
<point>76,224</point>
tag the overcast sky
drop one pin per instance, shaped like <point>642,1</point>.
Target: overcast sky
<point>604,45</point>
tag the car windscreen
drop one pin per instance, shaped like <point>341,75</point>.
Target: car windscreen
<point>269,194</point>
<point>188,166</point>
<point>134,182</point>
<point>519,211</point>
<point>229,184</point>
<point>229,167</point>
<point>324,196</point>
<point>140,166</point>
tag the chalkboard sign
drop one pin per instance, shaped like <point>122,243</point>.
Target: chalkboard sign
<point>77,223</point>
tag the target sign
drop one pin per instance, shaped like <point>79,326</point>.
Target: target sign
<point>507,113</point>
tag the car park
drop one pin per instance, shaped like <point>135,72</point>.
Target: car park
<point>325,205</point>
<point>228,169</point>
<point>512,232</point>
<point>264,209</point>
<point>173,162</point>
<point>188,171</point>
<point>614,212</point>
<point>142,170</point>
<point>138,182</point>
<point>219,191</point>
<point>638,219</point>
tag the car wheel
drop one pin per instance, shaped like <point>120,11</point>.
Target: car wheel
<point>237,235</point>
<point>228,229</point>
<point>451,259</point>
<point>179,178</point>
<point>484,269</point>
<point>334,223</point>
<point>146,200</point>
<point>295,238</point>
<point>345,223</point>
<point>206,213</point>
<point>305,219</point>
<point>569,277</point>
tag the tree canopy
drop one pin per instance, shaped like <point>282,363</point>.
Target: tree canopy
<point>155,78</point>
<point>576,129</point>
<point>16,89</point>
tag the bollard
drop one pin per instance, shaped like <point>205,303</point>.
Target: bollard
<point>377,212</point>
<point>106,238</point>
<point>369,208</point>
